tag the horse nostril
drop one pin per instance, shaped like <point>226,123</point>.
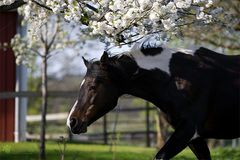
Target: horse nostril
<point>73,122</point>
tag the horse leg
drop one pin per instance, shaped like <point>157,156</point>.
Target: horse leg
<point>177,142</point>
<point>200,149</point>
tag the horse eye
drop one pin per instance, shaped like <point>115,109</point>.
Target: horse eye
<point>92,88</point>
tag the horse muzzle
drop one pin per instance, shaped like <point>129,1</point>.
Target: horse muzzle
<point>78,126</point>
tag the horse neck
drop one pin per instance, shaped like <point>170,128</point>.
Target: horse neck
<point>150,85</point>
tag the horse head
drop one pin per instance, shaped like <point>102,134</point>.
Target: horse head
<point>100,90</point>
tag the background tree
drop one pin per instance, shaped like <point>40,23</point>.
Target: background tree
<point>52,39</point>
<point>219,35</point>
<point>126,21</point>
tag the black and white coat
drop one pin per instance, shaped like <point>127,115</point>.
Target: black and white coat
<point>202,96</point>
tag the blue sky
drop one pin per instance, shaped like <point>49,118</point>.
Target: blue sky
<point>70,61</point>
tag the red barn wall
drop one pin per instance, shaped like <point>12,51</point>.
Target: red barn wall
<point>8,28</point>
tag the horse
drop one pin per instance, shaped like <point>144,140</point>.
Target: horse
<point>197,92</point>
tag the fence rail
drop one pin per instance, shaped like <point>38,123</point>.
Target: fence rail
<point>49,117</point>
<point>22,94</point>
<point>72,94</point>
<point>34,94</point>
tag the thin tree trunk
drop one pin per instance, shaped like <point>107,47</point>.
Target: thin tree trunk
<point>42,155</point>
<point>162,130</point>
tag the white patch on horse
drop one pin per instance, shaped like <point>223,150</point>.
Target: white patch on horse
<point>69,115</point>
<point>160,61</point>
<point>196,135</point>
<point>183,50</point>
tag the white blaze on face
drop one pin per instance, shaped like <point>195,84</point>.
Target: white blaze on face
<point>82,83</point>
<point>73,108</point>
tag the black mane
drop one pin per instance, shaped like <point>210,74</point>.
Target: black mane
<point>123,66</point>
<point>125,62</point>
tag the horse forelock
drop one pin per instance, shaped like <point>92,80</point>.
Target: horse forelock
<point>122,65</point>
<point>126,63</point>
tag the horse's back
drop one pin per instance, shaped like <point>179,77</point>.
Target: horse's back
<point>230,63</point>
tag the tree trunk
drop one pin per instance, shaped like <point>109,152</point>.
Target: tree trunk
<point>162,130</point>
<point>42,155</point>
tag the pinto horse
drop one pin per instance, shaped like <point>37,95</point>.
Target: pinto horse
<point>198,94</point>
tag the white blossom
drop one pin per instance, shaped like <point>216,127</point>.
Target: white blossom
<point>125,17</point>
<point>131,14</point>
<point>153,16</point>
<point>104,3</point>
<point>156,6</point>
<point>144,4</point>
<point>109,16</point>
<point>183,3</point>
<point>117,24</point>
<point>205,17</point>
<point>6,2</point>
<point>196,1</point>
<point>209,3</point>
<point>27,11</point>
<point>168,23</point>
<point>117,5</point>
<point>201,15</point>
<point>171,7</point>
<point>28,47</point>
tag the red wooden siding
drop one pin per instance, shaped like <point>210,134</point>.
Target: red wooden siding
<point>8,23</point>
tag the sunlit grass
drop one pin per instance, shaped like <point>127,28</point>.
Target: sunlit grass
<point>29,151</point>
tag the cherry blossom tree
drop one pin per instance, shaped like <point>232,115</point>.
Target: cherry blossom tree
<point>52,39</point>
<point>219,35</point>
<point>126,21</point>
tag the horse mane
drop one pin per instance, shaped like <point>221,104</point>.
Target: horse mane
<point>125,66</point>
<point>122,65</point>
<point>125,60</point>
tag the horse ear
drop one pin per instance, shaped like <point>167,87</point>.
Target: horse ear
<point>85,61</point>
<point>104,58</point>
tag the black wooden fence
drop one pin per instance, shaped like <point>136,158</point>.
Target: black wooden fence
<point>145,133</point>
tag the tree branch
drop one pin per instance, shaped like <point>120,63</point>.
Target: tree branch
<point>89,6</point>
<point>20,3</point>
<point>12,6</point>
<point>37,52</point>
<point>42,37</point>
<point>54,35</point>
<point>130,42</point>
<point>42,5</point>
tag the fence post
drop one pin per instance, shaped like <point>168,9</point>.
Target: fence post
<point>147,125</point>
<point>20,104</point>
<point>105,135</point>
<point>70,136</point>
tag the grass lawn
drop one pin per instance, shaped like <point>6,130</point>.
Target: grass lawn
<point>29,151</point>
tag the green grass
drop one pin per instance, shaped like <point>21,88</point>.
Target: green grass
<point>29,151</point>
